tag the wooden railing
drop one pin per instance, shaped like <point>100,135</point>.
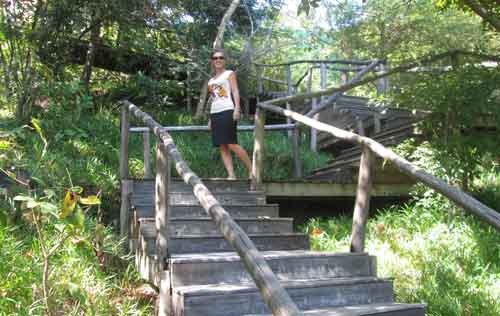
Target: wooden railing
<point>273,294</point>
<point>359,68</point>
<point>369,148</point>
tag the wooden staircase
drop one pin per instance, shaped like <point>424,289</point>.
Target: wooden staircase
<point>205,277</point>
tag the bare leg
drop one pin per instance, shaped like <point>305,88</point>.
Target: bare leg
<point>228,160</point>
<point>242,154</point>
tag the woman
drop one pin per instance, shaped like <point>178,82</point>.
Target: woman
<point>225,112</point>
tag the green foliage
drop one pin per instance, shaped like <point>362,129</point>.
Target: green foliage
<point>436,253</point>
<point>464,116</point>
<point>453,267</point>
<point>80,283</point>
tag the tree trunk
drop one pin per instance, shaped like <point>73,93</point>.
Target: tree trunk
<point>89,60</point>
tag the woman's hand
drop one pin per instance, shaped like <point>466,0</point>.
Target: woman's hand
<point>236,114</point>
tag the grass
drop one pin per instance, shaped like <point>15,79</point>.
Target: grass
<point>80,284</point>
<point>451,264</point>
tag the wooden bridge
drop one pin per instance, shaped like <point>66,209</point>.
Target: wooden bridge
<point>215,247</point>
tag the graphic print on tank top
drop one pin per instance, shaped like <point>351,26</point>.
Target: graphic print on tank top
<point>220,91</point>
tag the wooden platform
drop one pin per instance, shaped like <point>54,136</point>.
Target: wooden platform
<point>329,189</point>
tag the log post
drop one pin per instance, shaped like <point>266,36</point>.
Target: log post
<point>314,132</point>
<point>162,182</point>
<point>260,84</point>
<point>362,204</point>
<point>297,163</point>
<point>383,83</point>
<point>324,76</point>
<point>126,184</point>
<point>288,72</point>
<point>377,123</point>
<point>126,190</point>
<point>124,137</point>
<point>147,162</point>
<point>258,150</point>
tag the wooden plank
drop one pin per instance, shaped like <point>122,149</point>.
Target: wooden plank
<point>273,294</point>
<point>461,198</point>
<point>162,205</point>
<point>318,188</point>
<point>362,203</point>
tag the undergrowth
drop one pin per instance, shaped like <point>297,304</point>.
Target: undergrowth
<point>81,283</point>
<point>437,254</point>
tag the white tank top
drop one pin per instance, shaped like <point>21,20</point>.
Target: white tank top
<point>220,91</point>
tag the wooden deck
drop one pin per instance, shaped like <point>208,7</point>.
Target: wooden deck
<point>329,189</point>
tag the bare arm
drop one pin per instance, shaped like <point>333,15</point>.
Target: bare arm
<point>236,96</point>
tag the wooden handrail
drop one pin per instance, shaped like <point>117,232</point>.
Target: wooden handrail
<point>273,294</point>
<point>318,61</point>
<point>204,128</point>
<point>461,198</point>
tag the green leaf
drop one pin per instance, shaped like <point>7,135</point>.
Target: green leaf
<point>36,124</point>
<point>49,193</point>
<point>48,208</point>
<point>32,204</point>
<point>69,204</point>
<point>22,198</point>
<point>60,227</point>
<point>91,200</point>
<point>77,189</point>
<point>77,219</point>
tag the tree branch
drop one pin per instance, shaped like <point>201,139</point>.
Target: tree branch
<point>222,26</point>
<point>483,13</point>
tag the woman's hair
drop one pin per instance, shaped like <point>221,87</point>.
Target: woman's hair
<point>218,50</point>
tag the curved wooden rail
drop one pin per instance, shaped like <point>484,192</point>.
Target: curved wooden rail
<point>273,294</point>
<point>462,199</point>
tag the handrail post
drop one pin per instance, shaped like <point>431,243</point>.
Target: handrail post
<point>124,138</point>
<point>289,91</point>
<point>260,84</point>
<point>314,132</point>
<point>258,149</point>
<point>383,83</point>
<point>162,207</point>
<point>147,163</point>
<point>296,153</point>
<point>362,204</point>
<point>126,184</point>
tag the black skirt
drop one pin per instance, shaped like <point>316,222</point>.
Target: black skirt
<point>223,128</point>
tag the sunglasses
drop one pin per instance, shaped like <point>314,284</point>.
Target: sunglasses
<point>218,57</point>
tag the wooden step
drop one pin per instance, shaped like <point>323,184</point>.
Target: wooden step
<point>236,300</point>
<point>205,226</point>
<point>207,243</point>
<point>188,198</point>
<point>178,185</point>
<point>196,210</point>
<point>227,268</point>
<point>393,309</point>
